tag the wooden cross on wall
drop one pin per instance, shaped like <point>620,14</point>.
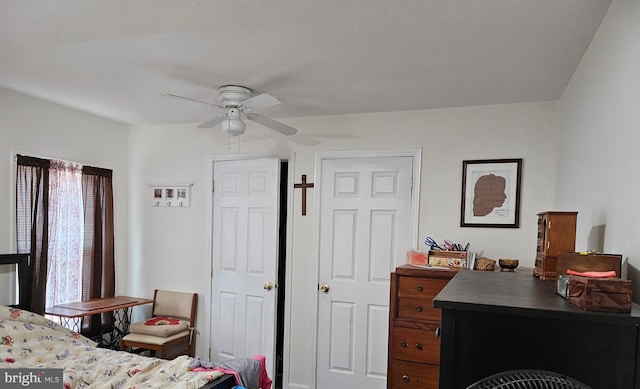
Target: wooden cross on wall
<point>304,185</point>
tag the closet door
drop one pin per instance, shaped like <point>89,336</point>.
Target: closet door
<point>365,230</point>
<point>245,250</point>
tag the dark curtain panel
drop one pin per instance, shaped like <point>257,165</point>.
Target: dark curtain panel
<point>98,279</point>
<point>32,219</point>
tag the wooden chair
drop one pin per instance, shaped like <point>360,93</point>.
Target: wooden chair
<point>166,340</point>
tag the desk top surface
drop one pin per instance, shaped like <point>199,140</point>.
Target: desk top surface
<point>93,306</point>
<point>517,293</point>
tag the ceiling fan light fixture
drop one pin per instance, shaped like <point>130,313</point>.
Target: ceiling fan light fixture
<point>234,127</point>
<point>237,101</point>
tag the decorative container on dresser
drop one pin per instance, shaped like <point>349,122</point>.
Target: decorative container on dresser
<point>556,234</point>
<point>414,327</point>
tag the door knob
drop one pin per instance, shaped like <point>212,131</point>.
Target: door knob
<point>268,286</point>
<point>324,288</point>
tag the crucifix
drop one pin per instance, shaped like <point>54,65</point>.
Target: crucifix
<point>304,185</point>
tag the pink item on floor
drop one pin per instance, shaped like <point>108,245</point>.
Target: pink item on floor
<point>265,381</point>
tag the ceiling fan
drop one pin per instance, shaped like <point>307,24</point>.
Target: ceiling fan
<point>237,101</point>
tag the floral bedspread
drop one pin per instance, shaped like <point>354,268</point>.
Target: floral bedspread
<point>28,340</point>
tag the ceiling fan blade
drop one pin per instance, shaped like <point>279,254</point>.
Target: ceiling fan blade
<point>214,122</point>
<point>272,124</point>
<point>190,99</point>
<point>261,101</point>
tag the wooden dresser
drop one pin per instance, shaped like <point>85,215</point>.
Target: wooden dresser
<point>414,327</point>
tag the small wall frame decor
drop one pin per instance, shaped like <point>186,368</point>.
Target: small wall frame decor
<point>171,195</point>
<point>491,193</point>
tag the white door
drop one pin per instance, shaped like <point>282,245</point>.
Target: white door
<point>365,232</point>
<point>245,249</point>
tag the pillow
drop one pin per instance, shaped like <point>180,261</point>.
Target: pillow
<point>162,321</point>
<point>161,326</point>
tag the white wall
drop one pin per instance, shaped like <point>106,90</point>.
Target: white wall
<point>598,157</point>
<point>37,128</point>
<point>171,246</point>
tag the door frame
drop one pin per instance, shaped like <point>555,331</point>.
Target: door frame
<point>290,158</point>
<point>416,155</point>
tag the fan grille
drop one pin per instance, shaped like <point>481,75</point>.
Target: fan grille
<point>528,379</point>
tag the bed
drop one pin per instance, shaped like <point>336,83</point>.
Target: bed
<point>28,340</point>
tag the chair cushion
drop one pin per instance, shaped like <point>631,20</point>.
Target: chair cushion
<point>159,326</point>
<point>156,340</point>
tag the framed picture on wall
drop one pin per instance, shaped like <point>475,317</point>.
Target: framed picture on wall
<point>491,193</point>
<point>171,195</point>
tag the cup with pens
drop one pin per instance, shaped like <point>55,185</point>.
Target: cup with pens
<point>448,245</point>
<point>449,254</point>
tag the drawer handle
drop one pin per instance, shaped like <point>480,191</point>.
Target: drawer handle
<point>418,346</point>
<point>403,344</point>
<point>438,332</point>
<point>405,378</point>
<point>419,288</point>
<point>418,309</point>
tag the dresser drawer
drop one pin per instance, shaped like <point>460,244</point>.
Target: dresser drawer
<point>415,345</point>
<point>418,309</point>
<point>417,287</point>
<point>411,375</point>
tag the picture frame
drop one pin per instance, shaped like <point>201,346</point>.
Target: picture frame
<point>171,195</point>
<point>491,193</point>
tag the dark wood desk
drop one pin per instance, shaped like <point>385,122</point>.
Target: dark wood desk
<point>495,321</point>
<point>72,314</point>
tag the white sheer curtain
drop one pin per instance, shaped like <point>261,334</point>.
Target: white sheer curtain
<point>66,231</point>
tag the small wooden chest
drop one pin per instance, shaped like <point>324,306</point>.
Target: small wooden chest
<point>588,262</point>
<point>600,294</point>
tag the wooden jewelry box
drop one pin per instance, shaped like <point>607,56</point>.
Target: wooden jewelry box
<point>600,294</point>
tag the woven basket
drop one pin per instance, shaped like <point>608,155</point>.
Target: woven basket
<point>485,264</point>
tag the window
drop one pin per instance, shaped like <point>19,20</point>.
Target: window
<point>64,220</point>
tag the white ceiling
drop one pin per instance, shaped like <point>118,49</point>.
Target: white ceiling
<point>113,58</point>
